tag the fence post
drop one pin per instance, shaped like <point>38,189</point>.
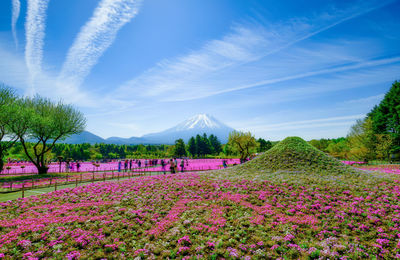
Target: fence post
<point>104,176</point>
<point>11,186</point>
<point>93,177</point>
<point>81,177</point>
<point>23,190</point>
<point>33,182</point>
<point>66,177</point>
<point>55,185</point>
<point>76,182</point>
<point>118,176</point>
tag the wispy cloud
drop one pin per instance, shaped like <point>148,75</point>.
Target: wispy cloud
<point>16,6</point>
<point>367,100</point>
<point>35,33</point>
<point>239,59</point>
<point>13,72</point>
<point>95,37</point>
<point>359,65</point>
<point>320,122</point>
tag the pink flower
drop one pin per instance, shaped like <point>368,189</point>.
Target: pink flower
<point>73,255</point>
<point>24,243</point>
<point>274,247</point>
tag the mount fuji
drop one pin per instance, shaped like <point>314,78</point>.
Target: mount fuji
<point>193,126</point>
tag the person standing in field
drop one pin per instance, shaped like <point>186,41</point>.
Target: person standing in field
<point>119,166</point>
<point>224,163</point>
<point>182,165</point>
<point>172,166</point>
<point>125,165</point>
<point>163,166</point>
<point>67,166</point>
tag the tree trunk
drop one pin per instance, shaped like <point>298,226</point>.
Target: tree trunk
<point>1,163</point>
<point>42,169</point>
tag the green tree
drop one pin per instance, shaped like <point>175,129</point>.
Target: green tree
<point>321,144</point>
<point>386,116</point>
<point>7,138</point>
<point>384,143</point>
<point>206,144</point>
<point>45,122</point>
<point>263,145</point>
<point>244,143</point>
<point>362,140</point>
<point>199,145</point>
<point>339,149</point>
<point>215,144</point>
<point>192,146</point>
<point>179,149</point>
<point>228,150</point>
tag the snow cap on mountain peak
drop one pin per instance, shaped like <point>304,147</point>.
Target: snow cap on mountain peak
<point>200,121</point>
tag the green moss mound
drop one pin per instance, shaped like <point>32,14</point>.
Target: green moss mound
<point>295,154</point>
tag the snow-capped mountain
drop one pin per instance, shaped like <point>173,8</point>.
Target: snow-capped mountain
<point>198,124</point>
<point>193,126</point>
<point>200,121</point>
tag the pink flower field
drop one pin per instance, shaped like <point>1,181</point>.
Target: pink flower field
<point>193,165</point>
<point>191,216</point>
<point>392,169</point>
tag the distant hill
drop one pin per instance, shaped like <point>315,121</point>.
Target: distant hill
<point>84,137</point>
<point>198,124</point>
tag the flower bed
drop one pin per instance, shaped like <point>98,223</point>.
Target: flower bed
<point>191,165</point>
<point>394,169</point>
<point>67,179</point>
<point>190,215</point>
<point>355,163</point>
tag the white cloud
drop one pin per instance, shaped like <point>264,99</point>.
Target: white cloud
<point>95,37</point>
<point>16,6</point>
<point>248,57</point>
<point>368,100</point>
<point>313,123</point>
<point>308,129</point>
<point>13,72</point>
<point>35,33</point>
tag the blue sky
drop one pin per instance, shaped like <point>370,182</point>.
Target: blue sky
<point>275,68</point>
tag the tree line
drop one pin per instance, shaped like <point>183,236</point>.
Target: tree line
<point>375,137</point>
<point>200,146</point>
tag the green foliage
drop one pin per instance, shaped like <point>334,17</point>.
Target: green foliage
<point>192,148</point>
<point>201,146</point>
<point>386,116</point>
<point>215,144</point>
<point>45,122</point>
<point>179,149</point>
<point>263,145</point>
<point>7,100</point>
<point>362,140</point>
<point>244,143</point>
<point>338,149</point>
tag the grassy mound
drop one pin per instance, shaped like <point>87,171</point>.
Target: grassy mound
<point>294,161</point>
<point>295,154</point>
